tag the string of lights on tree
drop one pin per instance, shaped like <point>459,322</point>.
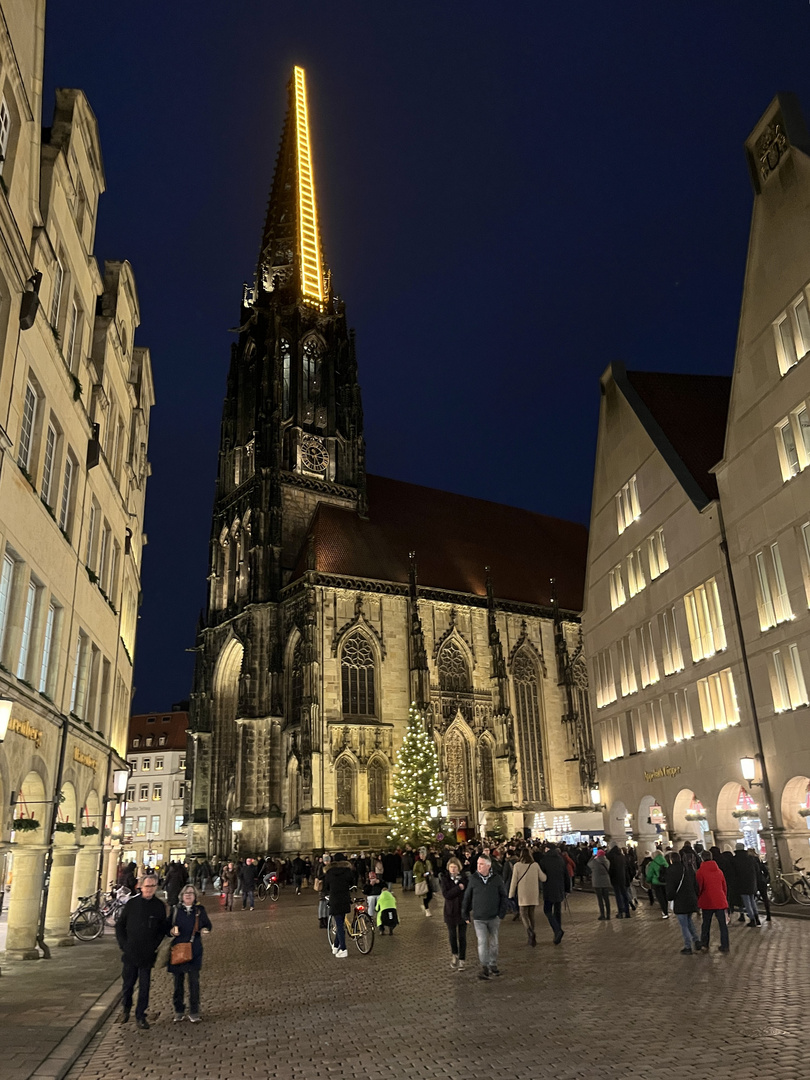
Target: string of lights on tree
<point>416,786</point>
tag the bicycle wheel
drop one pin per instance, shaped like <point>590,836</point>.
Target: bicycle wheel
<point>273,892</point>
<point>331,931</point>
<point>780,891</point>
<point>261,892</point>
<point>800,892</point>
<point>364,933</point>
<point>87,925</point>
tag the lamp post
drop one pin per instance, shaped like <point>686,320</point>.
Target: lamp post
<point>748,768</point>
<point>236,829</point>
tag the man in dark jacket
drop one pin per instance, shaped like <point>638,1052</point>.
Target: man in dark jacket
<point>745,880</point>
<point>141,927</point>
<point>618,879</point>
<point>392,867</point>
<point>681,887</point>
<point>176,878</point>
<point>247,876</point>
<point>485,899</point>
<point>554,889</point>
<point>337,886</point>
<point>407,868</point>
<point>298,869</point>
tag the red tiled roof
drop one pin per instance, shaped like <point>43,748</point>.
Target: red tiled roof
<point>172,724</point>
<point>455,537</point>
<point>692,411</point>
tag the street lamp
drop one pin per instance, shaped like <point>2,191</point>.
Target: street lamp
<point>595,795</point>
<point>120,781</point>
<point>5,716</point>
<point>748,768</point>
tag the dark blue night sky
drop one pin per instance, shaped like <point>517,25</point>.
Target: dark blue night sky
<point>511,196</point>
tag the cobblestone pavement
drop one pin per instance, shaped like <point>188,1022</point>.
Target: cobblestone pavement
<point>43,1002</point>
<point>614,1000</point>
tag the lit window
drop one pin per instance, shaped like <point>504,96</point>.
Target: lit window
<point>637,729</point>
<point>627,671</point>
<point>144,793</point>
<point>681,716</point>
<point>141,829</point>
<point>773,602</point>
<point>655,724</point>
<point>48,464</point>
<point>157,793</point>
<point>635,572</point>
<point>27,429</point>
<point>133,765</point>
<point>6,579</point>
<point>161,740</point>
<point>605,679</point>
<point>158,763</point>
<point>181,790</point>
<point>136,742</point>
<point>67,491</point>
<point>612,739</point>
<point>178,823</point>
<point>73,323</point>
<point>155,823</point>
<point>646,655</point>
<point>182,762</point>
<point>286,377</point>
<point>657,554</point>
<point>718,701</point>
<point>617,595</point>
<point>28,623</point>
<point>48,653</point>
<point>150,740</point>
<point>787,680</point>
<point>792,335</point>
<point>704,618</point>
<point>627,505</point>
<point>146,764</point>
<point>793,442</point>
<point>670,643</point>
<point>130,798</point>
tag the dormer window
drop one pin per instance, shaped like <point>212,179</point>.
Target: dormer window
<point>136,742</point>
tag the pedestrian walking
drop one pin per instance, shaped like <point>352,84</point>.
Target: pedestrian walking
<point>247,877</point>
<point>189,922</point>
<point>230,880</point>
<point>656,876</point>
<point>372,889</point>
<point>484,901</point>
<point>323,899</point>
<point>422,874</point>
<point>554,889</point>
<point>527,878</point>
<point>619,880</point>
<point>599,866</point>
<point>141,927</point>
<point>763,880</point>
<point>299,868</point>
<point>337,884</point>
<point>407,868</point>
<point>745,881</point>
<point>682,893</point>
<point>453,883</point>
<point>712,899</point>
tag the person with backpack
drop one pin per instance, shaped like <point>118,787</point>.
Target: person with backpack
<point>681,887</point>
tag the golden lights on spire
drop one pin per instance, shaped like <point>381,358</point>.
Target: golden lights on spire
<point>309,240</point>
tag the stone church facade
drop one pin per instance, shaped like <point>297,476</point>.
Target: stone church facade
<point>337,598</point>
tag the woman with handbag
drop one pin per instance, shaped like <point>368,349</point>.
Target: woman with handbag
<point>422,875</point>
<point>189,922</point>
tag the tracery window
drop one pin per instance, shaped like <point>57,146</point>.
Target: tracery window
<point>296,683</point>
<point>377,796</point>
<point>344,790</point>
<point>455,757</point>
<point>286,365</point>
<point>530,743</point>
<point>487,773</point>
<point>454,674</point>
<point>311,368</point>
<point>357,674</point>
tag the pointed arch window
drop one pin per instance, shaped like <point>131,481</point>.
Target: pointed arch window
<point>311,368</point>
<point>358,676</point>
<point>454,672</point>
<point>296,684</point>
<point>377,789</point>
<point>344,790</point>
<point>294,802</point>
<point>530,743</point>
<point>487,767</point>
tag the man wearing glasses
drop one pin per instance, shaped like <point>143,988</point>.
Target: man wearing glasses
<point>142,926</point>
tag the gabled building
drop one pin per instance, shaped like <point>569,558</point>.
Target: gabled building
<point>696,619</point>
<point>336,599</point>
<point>74,429</point>
<point>154,825</point>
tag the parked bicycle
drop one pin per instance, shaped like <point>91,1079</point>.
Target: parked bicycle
<point>268,887</point>
<point>87,922</point>
<point>112,903</point>
<point>793,885</point>
<point>359,927</point>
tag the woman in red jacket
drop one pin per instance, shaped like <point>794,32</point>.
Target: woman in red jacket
<point>712,899</point>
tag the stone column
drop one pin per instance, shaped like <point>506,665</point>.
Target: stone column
<point>84,880</point>
<point>57,916</point>
<point>23,911</point>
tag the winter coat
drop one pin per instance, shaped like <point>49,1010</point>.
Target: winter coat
<point>423,871</point>
<point>553,866</point>
<point>681,886</point>
<point>525,884</point>
<point>484,898</point>
<point>392,865</point>
<point>744,873</point>
<point>407,860</point>
<point>175,880</point>
<point>230,879</point>
<point>386,902</point>
<point>247,876</point>
<point>599,866</point>
<point>337,884</point>
<point>453,890</point>
<point>711,883</point>
<point>184,920</point>
<point>618,868</point>
<point>657,870</point>
<point>141,927</point>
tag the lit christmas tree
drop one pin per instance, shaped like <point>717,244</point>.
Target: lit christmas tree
<point>416,786</point>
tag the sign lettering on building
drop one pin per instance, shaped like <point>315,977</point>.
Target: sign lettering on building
<point>22,727</point>
<point>85,759</point>
<point>663,773</point>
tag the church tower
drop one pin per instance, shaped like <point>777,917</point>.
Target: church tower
<point>291,438</point>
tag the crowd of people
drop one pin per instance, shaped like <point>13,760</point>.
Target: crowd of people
<point>477,884</point>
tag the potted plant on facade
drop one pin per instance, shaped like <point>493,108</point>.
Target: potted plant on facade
<point>65,827</point>
<point>89,830</point>
<point>25,824</point>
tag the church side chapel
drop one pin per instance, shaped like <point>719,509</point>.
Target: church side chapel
<point>336,599</point>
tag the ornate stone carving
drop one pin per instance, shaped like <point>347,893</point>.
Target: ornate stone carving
<point>770,147</point>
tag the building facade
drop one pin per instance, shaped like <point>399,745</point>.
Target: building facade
<point>336,598</point>
<point>154,826</point>
<point>696,622</point>
<point>77,396</point>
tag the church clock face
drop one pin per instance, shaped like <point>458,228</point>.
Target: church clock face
<point>314,455</point>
